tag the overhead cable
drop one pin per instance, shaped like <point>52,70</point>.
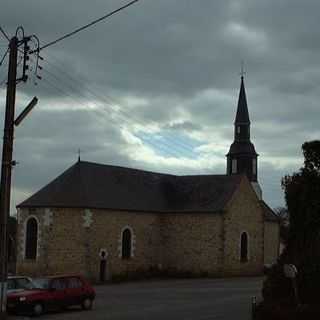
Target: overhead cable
<point>87,25</point>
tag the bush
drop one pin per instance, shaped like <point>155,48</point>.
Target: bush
<point>276,287</point>
<point>271,311</point>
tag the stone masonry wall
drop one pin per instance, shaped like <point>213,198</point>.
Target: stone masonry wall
<point>71,242</point>
<point>243,214</point>
<point>192,243</point>
<point>271,242</point>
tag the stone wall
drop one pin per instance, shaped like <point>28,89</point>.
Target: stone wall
<point>243,214</point>
<point>192,243</point>
<point>271,242</point>
<point>72,241</point>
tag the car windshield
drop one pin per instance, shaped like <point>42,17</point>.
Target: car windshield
<point>24,283</point>
<point>42,283</point>
<point>19,283</point>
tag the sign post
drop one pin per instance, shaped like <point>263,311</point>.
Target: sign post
<point>291,272</point>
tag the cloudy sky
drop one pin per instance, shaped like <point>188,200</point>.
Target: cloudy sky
<point>156,86</point>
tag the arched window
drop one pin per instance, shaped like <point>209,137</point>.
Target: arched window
<point>31,239</point>
<point>254,166</point>
<point>244,247</point>
<point>126,244</point>
<point>234,166</point>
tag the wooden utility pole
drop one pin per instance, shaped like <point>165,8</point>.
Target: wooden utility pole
<point>6,172</point>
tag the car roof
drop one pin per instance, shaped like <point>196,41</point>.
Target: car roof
<point>61,276</point>
<point>18,277</point>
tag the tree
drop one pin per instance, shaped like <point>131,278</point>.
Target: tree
<point>302,195</point>
<point>283,215</point>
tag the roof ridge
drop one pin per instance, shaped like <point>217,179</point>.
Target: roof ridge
<point>154,172</point>
<point>122,167</point>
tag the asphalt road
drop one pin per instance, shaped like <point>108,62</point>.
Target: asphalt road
<point>196,299</point>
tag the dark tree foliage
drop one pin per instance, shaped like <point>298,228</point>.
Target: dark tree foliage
<point>283,215</point>
<point>302,195</point>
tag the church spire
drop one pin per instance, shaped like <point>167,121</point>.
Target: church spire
<point>242,116</point>
<point>242,156</point>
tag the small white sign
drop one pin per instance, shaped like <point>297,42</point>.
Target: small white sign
<point>290,271</point>
<point>103,254</point>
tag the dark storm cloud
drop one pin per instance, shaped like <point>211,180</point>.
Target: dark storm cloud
<point>49,141</point>
<point>172,64</point>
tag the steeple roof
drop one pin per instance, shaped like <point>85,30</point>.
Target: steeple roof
<point>242,116</point>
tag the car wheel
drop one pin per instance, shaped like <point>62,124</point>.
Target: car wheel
<point>86,304</point>
<point>37,309</point>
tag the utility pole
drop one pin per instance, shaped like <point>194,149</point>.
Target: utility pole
<point>6,171</point>
<point>7,148</point>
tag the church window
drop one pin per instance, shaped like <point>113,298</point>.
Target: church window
<point>234,166</point>
<point>31,239</point>
<point>244,247</point>
<point>238,129</point>
<point>126,243</point>
<point>254,166</point>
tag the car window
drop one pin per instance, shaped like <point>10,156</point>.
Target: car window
<point>74,282</point>
<point>58,284</point>
<point>23,283</point>
<point>41,283</point>
<point>11,284</point>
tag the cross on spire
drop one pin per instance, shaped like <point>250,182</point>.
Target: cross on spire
<point>242,72</point>
<point>79,155</point>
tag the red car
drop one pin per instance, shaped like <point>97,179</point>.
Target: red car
<point>52,293</point>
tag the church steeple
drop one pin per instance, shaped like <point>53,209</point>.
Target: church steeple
<point>242,116</point>
<point>242,156</point>
<point>242,121</point>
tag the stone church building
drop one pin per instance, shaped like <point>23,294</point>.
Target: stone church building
<point>139,221</point>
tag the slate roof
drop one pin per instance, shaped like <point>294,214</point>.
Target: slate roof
<point>92,185</point>
<point>269,214</point>
<point>242,116</point>
<point>242,147</point>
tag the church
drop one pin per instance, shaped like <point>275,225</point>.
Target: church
<point>140,222</point>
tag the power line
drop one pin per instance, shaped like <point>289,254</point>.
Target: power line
<point>88,25</point>
<point>4,56</point>
<point>169,148</point>
<point>109,101</point>
<point>4,34</point>
<point>3,81</point>
<point>165,148</point>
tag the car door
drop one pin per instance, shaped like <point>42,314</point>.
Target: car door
<point>74,290</point>
<point>57,293</point>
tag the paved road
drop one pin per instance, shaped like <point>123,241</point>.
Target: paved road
<point>200,299</point>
